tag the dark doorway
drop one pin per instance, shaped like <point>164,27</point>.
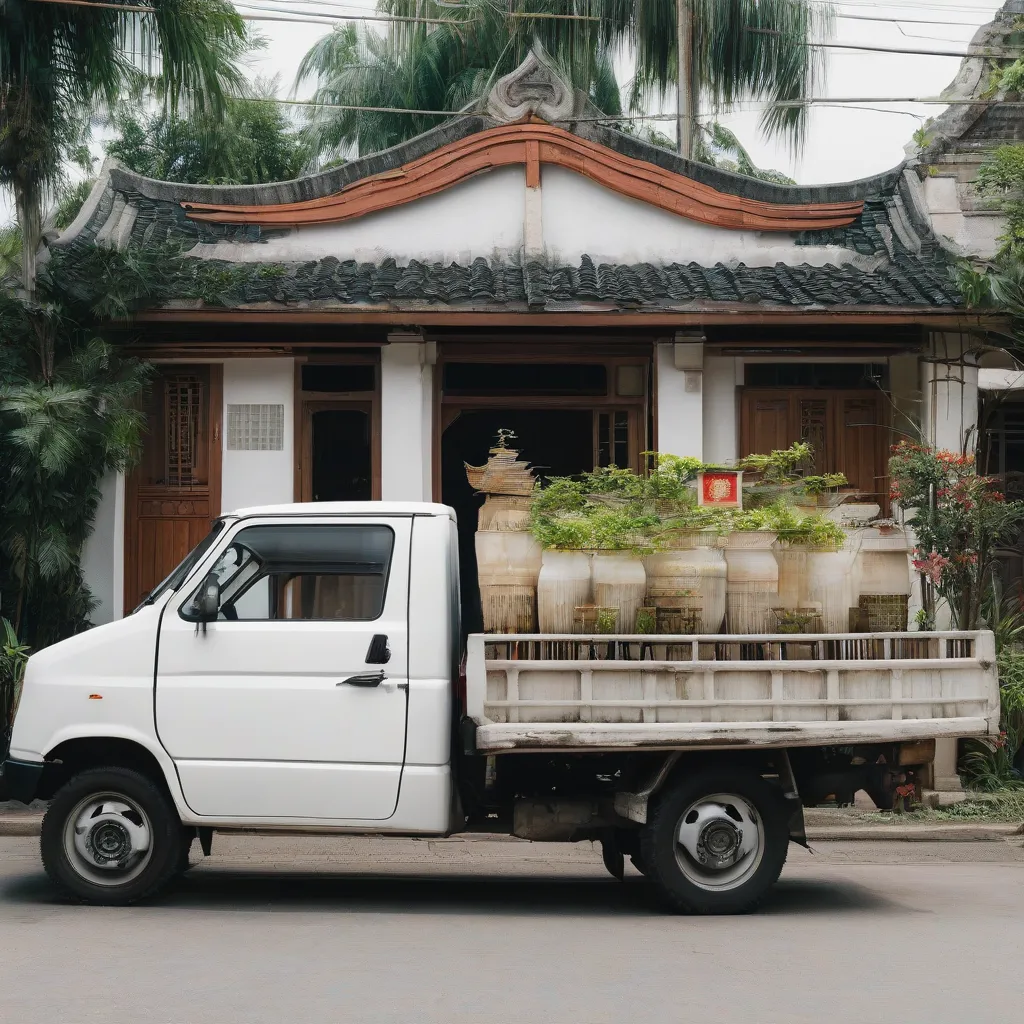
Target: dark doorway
<point>341,456</point>
<point>555,442</point>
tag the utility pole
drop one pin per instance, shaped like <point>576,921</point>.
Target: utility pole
<point>685,99</point>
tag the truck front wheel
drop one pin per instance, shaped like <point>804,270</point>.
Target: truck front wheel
<point>110,836</point>
<point>716,842</point>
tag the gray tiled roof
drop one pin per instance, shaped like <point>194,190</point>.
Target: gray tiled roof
<point>898,264</point>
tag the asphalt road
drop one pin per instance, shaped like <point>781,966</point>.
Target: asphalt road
<point>303,931</point>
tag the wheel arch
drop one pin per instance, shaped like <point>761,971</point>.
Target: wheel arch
<point>678,765</point>
<point>78,753</point>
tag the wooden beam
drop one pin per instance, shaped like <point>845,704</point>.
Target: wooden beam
<point>531,144</point>
<point>941,318</point>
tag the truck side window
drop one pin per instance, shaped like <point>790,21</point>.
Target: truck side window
<point>329,572</point>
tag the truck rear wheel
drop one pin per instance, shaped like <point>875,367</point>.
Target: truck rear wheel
<point>110,836</point>
<point>716,842</point>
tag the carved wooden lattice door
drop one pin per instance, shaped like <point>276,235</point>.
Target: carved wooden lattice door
<point>174,492</point>
<point>847,429</point>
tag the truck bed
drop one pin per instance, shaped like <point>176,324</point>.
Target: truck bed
<point>599,692</point>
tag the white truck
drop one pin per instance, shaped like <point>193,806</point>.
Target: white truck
<point>303,670</point>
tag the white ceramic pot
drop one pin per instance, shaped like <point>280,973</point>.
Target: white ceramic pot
<point>832,585</point>
<point>619,582</point>
<point>885,562</point>
<point>751,581</point>
<point>508,564</point>
<point>690,575</point>
<point>563,584</point>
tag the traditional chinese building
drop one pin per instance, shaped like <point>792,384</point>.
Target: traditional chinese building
<point>365,332</point>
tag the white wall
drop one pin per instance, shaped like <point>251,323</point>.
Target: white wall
<point>581,216</point>
<point>480,217</point>
<point>259,477</point>
<point>721,411</point>
<point>492,214</point>
<point>680,414</point>
<point>406,407</point>
<point>103,552</point>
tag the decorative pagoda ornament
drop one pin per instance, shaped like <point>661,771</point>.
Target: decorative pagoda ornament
<point>507,556</point>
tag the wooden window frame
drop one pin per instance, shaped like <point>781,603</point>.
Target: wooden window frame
<point>308,402</point>
<point>834,458</point>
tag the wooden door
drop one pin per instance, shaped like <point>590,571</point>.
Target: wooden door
<point>174,492</point>
<point>349,447</point>
<point>848,431</point>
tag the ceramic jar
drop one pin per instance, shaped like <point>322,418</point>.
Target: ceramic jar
<point>620,582</point>
<point>689,577</point>
<point>563,584</point>
<point>508,564</point>
<point>751,581</point>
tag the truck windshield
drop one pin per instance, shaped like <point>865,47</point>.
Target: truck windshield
<point>185,566</point>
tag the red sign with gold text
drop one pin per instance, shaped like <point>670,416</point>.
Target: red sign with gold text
<point>720,488</point>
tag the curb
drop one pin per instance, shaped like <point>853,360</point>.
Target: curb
<point>29,823</point>
<point>939,833</point>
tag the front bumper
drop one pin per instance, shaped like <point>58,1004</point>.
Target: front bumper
<point>20,780</point>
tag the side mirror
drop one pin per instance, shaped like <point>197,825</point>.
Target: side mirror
<point>206,603</point>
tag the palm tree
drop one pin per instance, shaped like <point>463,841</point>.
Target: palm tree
<point>438,67</point>
<point>58,59</point>
<point>738,50</point>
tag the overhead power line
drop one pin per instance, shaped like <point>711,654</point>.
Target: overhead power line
<point>826,101</point>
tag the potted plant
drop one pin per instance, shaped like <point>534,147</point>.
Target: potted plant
<point>592,549</point>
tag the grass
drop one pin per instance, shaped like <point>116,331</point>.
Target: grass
<point>1003,807</point>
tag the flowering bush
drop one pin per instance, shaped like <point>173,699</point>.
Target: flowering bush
<point>960,519</point>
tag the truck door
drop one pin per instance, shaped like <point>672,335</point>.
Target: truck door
<point>292,704</point>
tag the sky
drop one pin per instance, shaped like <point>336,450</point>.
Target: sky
<point>843,143</point>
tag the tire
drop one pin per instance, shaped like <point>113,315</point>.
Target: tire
<point>732,812</point>
<point>93,831</point>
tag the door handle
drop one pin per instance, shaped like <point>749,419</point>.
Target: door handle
<point>365,679</point>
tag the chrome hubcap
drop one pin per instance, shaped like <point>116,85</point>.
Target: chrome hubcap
<point>108,839</point>
<point>719,841</point>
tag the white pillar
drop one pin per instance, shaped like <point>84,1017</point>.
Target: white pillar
<point>680,399</point>
<point>406,401</point>
<point>103,552</point>
<point>721,440</point>
<point>949,385</point>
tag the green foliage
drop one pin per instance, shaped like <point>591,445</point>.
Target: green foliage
<point>780,466</point>
<point>717,145</point>
<point>57,61</point>
<point>1002,176</point>
<point>993,767</point>
<point>594,529</point>
<point>974,284</point>
<point>447,66</point>
<point>817,485</point>
<point>10,251</point>
<point>247,143</point>
<point>616,509</point>
<point>13,658</point>
<point>69,413</point>
<point>960,521</point>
